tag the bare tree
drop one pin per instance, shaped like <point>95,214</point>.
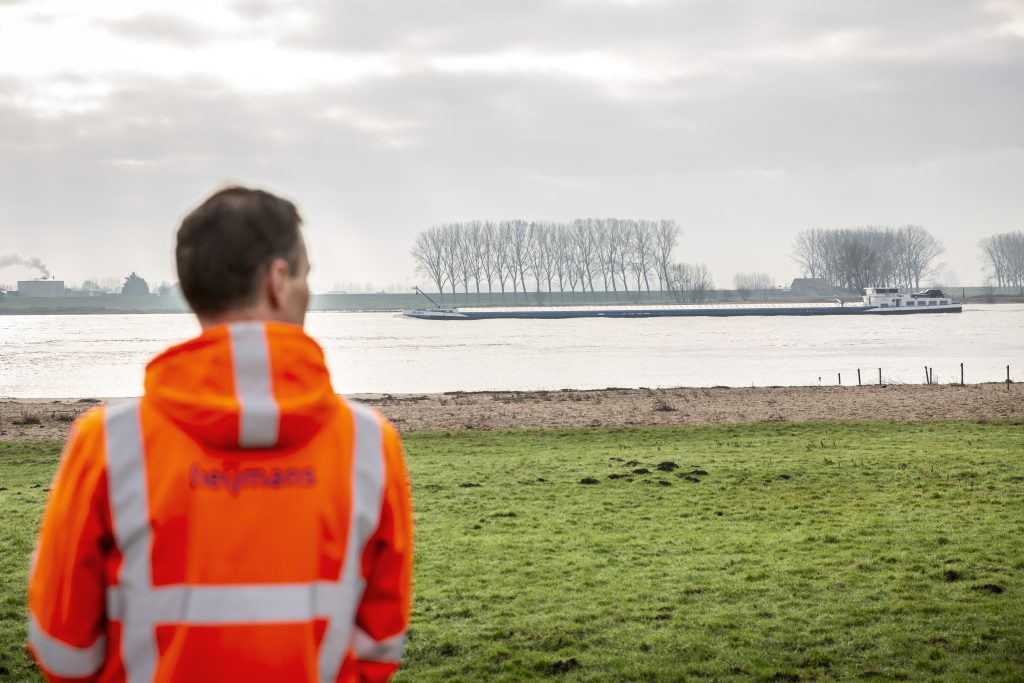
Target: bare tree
<point>1003,257</point>
<point>450,254</point>
<point>464,256</point>
<point>585,256</point>
<point>809,252</point>
<point>472,246</point>
<point>559,244</point>
<point>428,252</point>
<point>665,238</point>
<point>689,283</point>
<point>854,258</point>
<point>505,258</point>
<point>748,283</point>
<point>917,253</point>
<point>543,254</point>
<point>615,251</point>
<point>520,248</point>
<point>643,246</point>
<point>570,255</point>
<point>488,253</point>
<point>607,245</point>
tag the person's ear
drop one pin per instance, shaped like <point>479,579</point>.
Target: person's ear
<point>278,280</point>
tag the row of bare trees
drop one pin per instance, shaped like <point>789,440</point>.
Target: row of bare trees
<point>588,254</point>
<point>1003,256</point>
<point>690,282</point>
<point>855,258</point>
<point>748,283</point>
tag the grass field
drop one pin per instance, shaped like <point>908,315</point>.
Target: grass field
<point>773,551</point>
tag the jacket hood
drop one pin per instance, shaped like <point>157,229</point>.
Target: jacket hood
<point>244,385</point>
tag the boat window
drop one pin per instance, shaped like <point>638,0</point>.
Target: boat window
<point>943,302</point>
<point>885,305</point>
<point>931,303</point>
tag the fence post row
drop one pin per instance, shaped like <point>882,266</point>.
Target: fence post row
<point>929,377</point>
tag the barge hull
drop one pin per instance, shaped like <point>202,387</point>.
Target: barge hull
<point>554,314</point>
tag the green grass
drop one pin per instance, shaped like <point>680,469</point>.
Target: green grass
<point>807,551</point>
<point>26,469</point>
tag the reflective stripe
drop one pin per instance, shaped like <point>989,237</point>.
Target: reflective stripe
<point>61,659</point>
<point>129,510</point>
<point>260,416</point>
<point>129,496</point>
<point>387,650</point>
<point>368,478</point>
<point>140,606</point>
<point>228,604</point>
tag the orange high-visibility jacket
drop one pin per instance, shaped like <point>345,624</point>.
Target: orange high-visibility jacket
<point>240,522</point>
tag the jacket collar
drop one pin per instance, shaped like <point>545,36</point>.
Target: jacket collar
<point>244,385</point>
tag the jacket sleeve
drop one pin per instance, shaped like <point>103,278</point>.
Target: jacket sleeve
<point>67,624</point>
<point>383,615</point>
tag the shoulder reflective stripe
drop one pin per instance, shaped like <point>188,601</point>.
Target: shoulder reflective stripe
<point>250,355</point>
<point>369,473</point>
<point>129,510</point>
<point>129,499</point>
<point>61,659</point>
<point>368,478</point>
<point>387,650</point>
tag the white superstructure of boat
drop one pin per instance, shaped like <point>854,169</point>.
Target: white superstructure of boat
<point>890,300</point>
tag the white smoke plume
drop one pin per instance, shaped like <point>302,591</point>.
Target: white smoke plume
<point>12,259</point>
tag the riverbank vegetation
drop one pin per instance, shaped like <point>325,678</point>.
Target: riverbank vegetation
<point>613,255</point>
<point>1003,255</point>
<point>770,551</point>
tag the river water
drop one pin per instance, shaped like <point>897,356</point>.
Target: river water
<point>104,355</point>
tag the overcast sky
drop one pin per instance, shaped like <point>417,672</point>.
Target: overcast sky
<point>746,121</point>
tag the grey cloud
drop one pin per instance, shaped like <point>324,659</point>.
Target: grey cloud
<point>161,28</point>
<point>403,152</point>
<point>255,9</point>
<point>693,27</point>
<point>489,134</point>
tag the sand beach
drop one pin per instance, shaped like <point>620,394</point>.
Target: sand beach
<point>22,419</point>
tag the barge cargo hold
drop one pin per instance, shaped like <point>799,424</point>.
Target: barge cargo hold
<point>876,301</point>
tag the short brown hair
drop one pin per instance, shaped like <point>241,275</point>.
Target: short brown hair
<point>226,245</point>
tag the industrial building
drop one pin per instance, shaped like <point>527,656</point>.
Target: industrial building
<point>41,288</point>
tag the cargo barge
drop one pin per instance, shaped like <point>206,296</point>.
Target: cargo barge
<point>876,301</point>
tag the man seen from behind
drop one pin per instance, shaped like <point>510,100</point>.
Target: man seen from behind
<point>240,521</point>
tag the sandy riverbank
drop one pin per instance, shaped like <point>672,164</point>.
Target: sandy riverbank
<point>50,418</point>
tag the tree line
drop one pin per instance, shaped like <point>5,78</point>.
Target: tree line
<point>855,258</point>
<point>586,255</point>
<point>1003,256</point>
<point>630,256</point>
